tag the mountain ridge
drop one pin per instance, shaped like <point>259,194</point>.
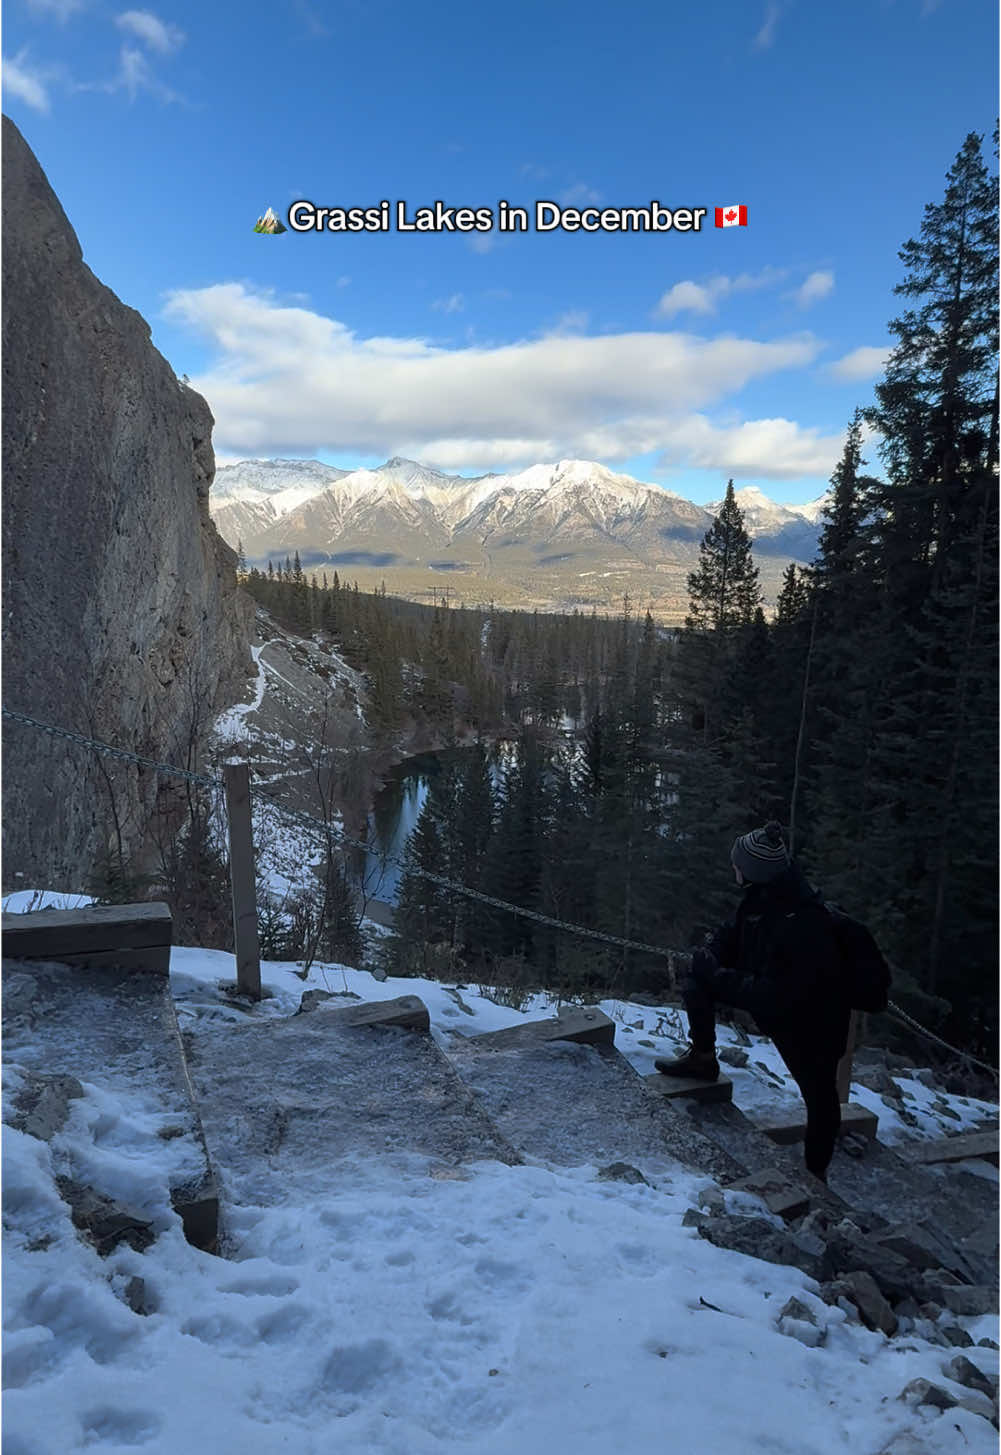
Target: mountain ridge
<point>532,537</point>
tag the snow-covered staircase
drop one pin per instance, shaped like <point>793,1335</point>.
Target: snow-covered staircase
<point>283,1101</point>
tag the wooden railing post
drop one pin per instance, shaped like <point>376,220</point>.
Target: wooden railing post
<point>845,1064</point>
<point>236,777</point>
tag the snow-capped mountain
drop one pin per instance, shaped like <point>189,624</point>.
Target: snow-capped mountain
<point>784,530</point>
<point>573,532</point>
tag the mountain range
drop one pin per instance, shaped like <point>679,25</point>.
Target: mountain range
<point>552,537</point>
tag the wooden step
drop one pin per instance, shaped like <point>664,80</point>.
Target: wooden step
<point>672,1087</point>
<point>123,936</point>
<point>957,1149</point>
<point>583,1023</point>
<point>408,1011</point>
<point>854,1118</point>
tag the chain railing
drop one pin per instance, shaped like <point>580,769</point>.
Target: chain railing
<point>340,837</point>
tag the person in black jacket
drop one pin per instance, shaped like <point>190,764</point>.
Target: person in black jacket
<point>778,959</point>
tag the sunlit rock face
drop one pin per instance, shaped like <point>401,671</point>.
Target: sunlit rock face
<point>120,606</point>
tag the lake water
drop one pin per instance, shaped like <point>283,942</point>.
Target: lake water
<point>397,807</point>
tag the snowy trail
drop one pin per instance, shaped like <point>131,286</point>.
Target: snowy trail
<point>483,1309</point>
<point>230,726</point>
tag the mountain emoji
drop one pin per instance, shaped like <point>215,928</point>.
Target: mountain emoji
<point>269,223</point>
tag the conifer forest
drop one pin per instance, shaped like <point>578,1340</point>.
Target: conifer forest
<point>862,714</point>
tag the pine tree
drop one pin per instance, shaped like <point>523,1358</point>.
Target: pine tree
<point>723,596</point>
<point>723,590</point>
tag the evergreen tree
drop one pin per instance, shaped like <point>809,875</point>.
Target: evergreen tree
<point>723,590</point>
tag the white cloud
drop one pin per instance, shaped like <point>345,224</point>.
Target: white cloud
<point>288,381</point>
<point>817,286</point>
<point>344,280</point>
<point>778,449</point>
<point>23,81</point>
<point>862,363</point>
<point>574,320</point>
<point>153,32</point>
<point>579,195</point>
<point>61,9</point>
<point>766,35</point>
<point>135,74</point>
<point>703,297</point>
<point>455,303</point>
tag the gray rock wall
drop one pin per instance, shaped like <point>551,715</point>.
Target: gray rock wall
<point>121,613</point>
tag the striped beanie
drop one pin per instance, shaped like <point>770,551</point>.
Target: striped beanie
<point>761,855</point>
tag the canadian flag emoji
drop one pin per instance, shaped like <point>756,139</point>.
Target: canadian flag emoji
<point>735,216</point>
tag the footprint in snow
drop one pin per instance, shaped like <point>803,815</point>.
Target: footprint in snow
<point>106,1424</point>
<point>274,1286</point>
<point>282,1325</point>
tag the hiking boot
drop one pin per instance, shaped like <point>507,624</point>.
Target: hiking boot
<point>699,1065</point>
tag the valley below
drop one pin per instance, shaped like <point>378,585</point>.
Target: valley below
<point>553,538</point>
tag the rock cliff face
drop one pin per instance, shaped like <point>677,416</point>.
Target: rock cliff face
<point>121,615</point>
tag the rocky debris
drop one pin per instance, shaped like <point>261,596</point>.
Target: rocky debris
<point>711,1200</point>
<point>781,1196</point>
<point>121,608</point>
<point>922,1391</point>
<point>957,1337</point>
<point>878,1079</point>
<point>969,1300</point>
<point>849,1253</point>
<point>798,1321</point>
<point>139,1298</point>
<point>732,1055</point>
<point>862,1290</point>
<point>924,1247</point>
<point>312,998</point>
<point>621,1172</point>
<point>966,1373</point>
<point>104,1222</point>
<point>42,1103</point>
<point>759,1239</point>
<point>20,1000</point>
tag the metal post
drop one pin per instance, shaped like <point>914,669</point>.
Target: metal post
<point>236,777</point>
<point>845,1064</point>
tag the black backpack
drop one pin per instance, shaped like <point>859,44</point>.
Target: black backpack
<point>866,974</point>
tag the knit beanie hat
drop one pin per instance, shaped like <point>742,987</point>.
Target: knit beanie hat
<point>761,855</point>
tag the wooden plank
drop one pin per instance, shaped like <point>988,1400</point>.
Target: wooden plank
<point>585,1024</point>
<point>408,1011</point>
<point>671,1087</point>
<point>236,777</point>
<point>854,1118</point>
<point>51,934</point>
<point>957,1149</point>
<point>152,959</point>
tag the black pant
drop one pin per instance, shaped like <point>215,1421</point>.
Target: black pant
<point>813,1068</point>
<point>815,1072</point>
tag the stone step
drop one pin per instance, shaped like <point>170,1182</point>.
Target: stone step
<point>117,1029</point>
<point>779,1194</point>
<point>575,1103</point>
<point>586,1024</point>
<point>670,1087</point>
<point>854,1118</point>
<point>284,1101</point>
<point>959,1148</point>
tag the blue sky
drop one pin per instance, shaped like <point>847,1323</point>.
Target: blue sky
<point>680,358</point>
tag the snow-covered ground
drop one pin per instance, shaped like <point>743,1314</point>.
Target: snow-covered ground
<point>532,1309</point>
